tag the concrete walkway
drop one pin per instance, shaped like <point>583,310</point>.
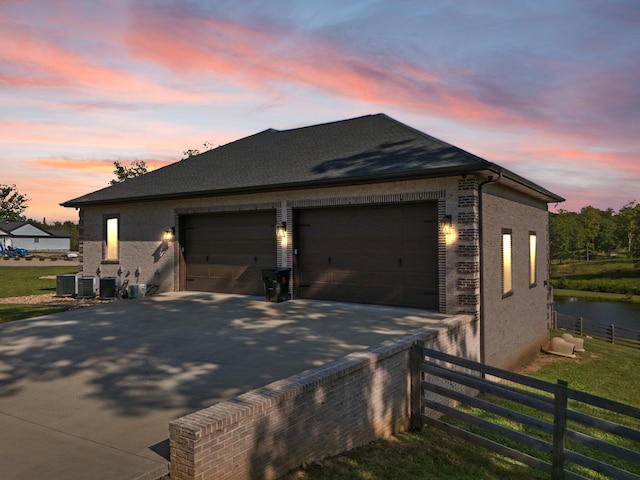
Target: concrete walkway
<point>88,393</point>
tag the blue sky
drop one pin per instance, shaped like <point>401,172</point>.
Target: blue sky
<point>547,89</point>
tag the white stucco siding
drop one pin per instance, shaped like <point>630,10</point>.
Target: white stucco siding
<point>42,244</point>
<point>516,325</point>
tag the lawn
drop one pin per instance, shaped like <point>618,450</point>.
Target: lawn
<point>18,281</point>
<point>614,279</point>
<point>604,370</point>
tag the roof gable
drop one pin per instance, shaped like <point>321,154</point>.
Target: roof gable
<point>27,229</point>
<point>362,149</point>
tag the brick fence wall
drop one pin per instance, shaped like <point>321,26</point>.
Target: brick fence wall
<point>343,404</point>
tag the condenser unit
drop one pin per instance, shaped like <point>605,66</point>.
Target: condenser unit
<point>109,287</point>
<point>87,287</point>
<point>137,290</point>
<point>66,285</point>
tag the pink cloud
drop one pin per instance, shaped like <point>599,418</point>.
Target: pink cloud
<point>252,56</point>
<point>40,64</point>
<point>85,166</point>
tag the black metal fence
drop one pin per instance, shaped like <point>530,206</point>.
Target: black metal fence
<point>551,427</point>
<point>626,337</point>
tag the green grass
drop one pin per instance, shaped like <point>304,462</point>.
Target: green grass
<point>604,370</point>
<point>596,296</point>
<point>9,313</point>
<point>619,276</point>
<point>20,281</point>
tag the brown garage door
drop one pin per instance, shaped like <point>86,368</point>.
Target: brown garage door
<point>376,254</point>
<point>226,252</point>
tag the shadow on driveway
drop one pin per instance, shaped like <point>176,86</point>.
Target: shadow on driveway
<point>88,393</point>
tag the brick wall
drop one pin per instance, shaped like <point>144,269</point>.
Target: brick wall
<point>346,403</point>
<point>515,326</point>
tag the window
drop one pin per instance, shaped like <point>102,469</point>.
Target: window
<point>111,239</point>
<point>507,264</point>
<point>533,279</point>
<point>36,240</point>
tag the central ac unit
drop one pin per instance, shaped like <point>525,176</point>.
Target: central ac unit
<point>87,287</point>
<point>137,290</point>
<point>109,287</point>
<point>66,285</point>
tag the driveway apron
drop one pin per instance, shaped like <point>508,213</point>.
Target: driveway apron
<point>88,393</point>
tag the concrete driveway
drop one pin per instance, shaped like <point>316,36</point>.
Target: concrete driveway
<point>88,393</point>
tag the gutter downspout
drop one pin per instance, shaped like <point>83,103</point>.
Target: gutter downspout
<point>489,180</point>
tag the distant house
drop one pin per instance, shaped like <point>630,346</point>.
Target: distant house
<point>33,238</point>
<point>364,210</point>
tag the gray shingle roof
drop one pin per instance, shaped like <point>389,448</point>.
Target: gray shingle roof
<point>368,148</point>
<point>9,227</point>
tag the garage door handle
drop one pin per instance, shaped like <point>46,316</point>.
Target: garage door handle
<point>399,262</point>
<point>255,260</point>
<point>329,260</point>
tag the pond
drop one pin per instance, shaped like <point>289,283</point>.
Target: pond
<point>620,314</point>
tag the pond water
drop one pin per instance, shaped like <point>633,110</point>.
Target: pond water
<point>620,314</point>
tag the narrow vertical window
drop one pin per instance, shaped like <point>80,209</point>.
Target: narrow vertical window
<point>533,278</point>
<point>111,251</point>
<point>507,264</point>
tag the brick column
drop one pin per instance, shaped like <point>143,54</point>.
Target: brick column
<point>468,248</point>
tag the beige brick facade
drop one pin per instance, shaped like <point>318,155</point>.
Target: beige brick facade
<point>513,327</point>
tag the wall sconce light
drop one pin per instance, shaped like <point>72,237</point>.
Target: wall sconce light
<point>169,233</point>
<point>446,224</point>
<point>281,229</point>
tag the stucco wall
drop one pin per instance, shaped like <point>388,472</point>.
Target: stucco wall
<point>516,326</point>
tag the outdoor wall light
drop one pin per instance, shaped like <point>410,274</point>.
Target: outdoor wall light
<point>281,229</point>
<point>169,233</point>
<point>446,224</point>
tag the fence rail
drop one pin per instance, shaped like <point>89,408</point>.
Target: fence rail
<point>626,337</point>
<point>550,418</point>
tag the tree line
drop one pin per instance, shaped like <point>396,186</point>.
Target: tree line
<point>582,235</point>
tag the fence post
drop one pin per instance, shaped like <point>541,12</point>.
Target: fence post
<point>581,326</point>
<point>415,374</point>
<point>559,429</point>
<point>613,334</point>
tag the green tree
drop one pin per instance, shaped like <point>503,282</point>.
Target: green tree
<point>589,228</point>
<point>192,152</point>
<point>122,172</point>
<point>563,232</point>
<point>607,238</point>
<point>630,223</point>
<point>12,203</point>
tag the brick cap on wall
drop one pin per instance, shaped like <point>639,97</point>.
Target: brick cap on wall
<point>217,417</point>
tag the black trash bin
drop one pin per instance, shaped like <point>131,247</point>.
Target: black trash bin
<point>276,284</point>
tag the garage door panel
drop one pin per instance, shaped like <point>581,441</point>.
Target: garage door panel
<point>347,278</point>
<point>370,254</point>
<point>312,276</point>
<point>416,298</point>
<point>226,252</point>
<point>220,271</point>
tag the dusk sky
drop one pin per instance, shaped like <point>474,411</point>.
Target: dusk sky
<point>548,89</point>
